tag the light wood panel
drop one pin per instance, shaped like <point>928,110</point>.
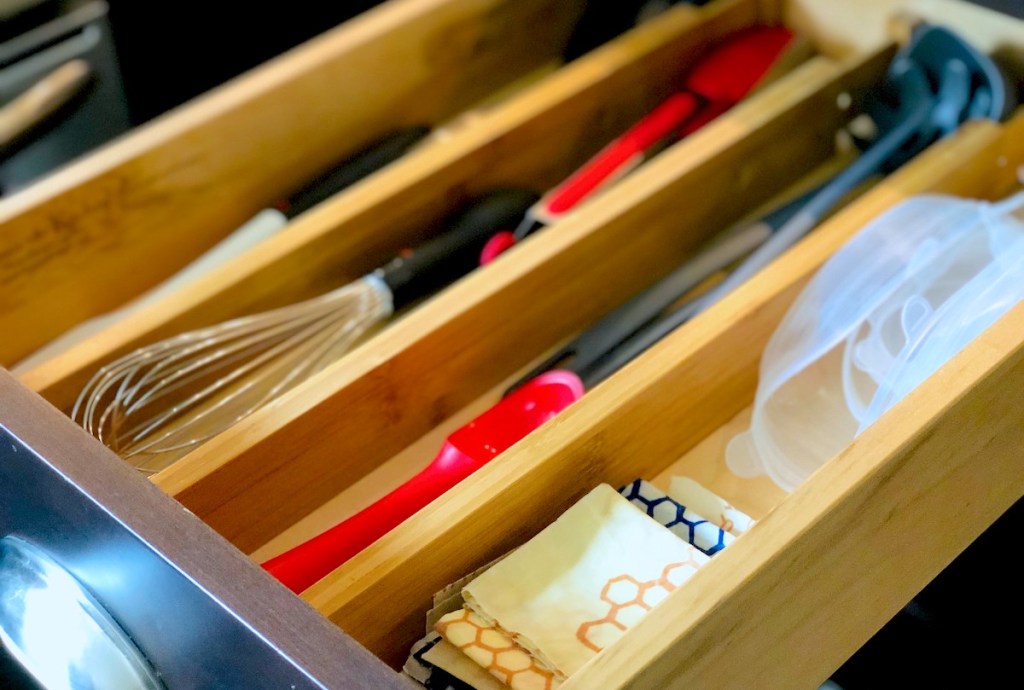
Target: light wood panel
<point>635,424</point>
<point>844,27</point>
<point>410,460</point>
<point>705,463</point>
<point>73,244</point>
<point>864,534</point>
<point>276,466</point>
<point>534,141</point>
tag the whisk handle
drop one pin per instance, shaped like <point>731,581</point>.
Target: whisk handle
<point>353,169</point>
<point>456,252</point>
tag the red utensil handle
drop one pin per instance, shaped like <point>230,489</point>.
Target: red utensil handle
<point>623,154</point>
<point>303,565</point>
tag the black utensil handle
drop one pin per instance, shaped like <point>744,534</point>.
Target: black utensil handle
<point>639,343</point>
<point>456,252</point>
<point>796,222</point>
<point>362,164</point>
<point>606,335</point>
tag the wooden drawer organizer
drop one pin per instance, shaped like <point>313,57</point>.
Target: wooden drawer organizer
<point>814,574</point>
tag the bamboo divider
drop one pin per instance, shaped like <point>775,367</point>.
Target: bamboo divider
<point>141,208</point>
<point>635,424</point>
<point>533,141</point>
<point>258,477</point>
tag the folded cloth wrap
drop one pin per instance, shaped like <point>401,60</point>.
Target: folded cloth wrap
<point>712,506</point>
<point>578,585</point>
<point>676,517</point>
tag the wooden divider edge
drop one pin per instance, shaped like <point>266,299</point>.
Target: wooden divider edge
<point>636,423</point>
<point>534,141</point>
<point>255,479</point>
<point>72,243</point>
<point>863,534</point>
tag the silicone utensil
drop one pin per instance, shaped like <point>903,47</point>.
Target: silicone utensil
<point>464,452</point>
<point>936,82</point>
<point>263,225</point>
<point>722,78</point>
<point>167,397</point>
<point>520,411</point>
<point>899,299</point>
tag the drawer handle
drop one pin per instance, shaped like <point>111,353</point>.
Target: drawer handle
<point>58,632</point>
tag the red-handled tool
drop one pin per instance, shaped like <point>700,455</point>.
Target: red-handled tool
<point>464,452</point>
<point>716,83</point>
<point>540,396</point>
<point>738,65</point>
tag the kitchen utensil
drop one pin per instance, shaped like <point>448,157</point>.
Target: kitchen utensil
<point>934,84</point>
<point>719,80</point>
<point>42,100</point>
<point>366,161</point>
<point>262,226</point>
<point>907,125</point>
<point>370,159</point>
<point>547,391</point>
<point>170,396</point>
<point>901,298</point>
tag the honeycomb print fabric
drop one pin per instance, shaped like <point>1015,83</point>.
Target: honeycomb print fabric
<point>495,651</point>
<point>715,508</point>
<point>577,586</point>
<point>679,519</point>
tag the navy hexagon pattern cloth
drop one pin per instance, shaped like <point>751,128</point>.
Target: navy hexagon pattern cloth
<point>680,520</point>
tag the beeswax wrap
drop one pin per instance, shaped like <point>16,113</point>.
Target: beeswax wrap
<point>583,581</point>
<point>705,502</point>
<point>433,676</point>
<point>676,517</point>
<point>496,651</point>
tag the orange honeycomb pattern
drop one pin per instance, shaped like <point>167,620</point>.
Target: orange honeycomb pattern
<point>629,600</point>
<point>495,651</point>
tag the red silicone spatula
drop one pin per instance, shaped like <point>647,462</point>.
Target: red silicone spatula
<point>544,393</point>
<point>716,83</point>
<point>739,63</point>
<point>464,452</point>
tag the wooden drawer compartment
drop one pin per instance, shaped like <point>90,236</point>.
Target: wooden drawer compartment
<point>520,143</point>
<point>159,196</point>
<point>382,410</point>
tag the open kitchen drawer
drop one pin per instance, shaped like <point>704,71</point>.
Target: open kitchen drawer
<point>924,481</point>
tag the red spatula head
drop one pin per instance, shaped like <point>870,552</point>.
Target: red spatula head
<point>516,415</point>
<point>731,70</point>
<point>466,450</point>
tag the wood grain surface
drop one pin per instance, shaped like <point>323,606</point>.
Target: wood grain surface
<point>88,238</point>
<point>635,424</point>
<point>278,465</point>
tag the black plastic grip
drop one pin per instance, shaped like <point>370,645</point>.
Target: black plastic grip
<point>456,252</point>
<point>354,168</point>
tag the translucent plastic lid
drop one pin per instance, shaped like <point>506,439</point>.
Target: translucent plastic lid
<point>909,291</point>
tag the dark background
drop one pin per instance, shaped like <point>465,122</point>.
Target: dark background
<point>170,52</point>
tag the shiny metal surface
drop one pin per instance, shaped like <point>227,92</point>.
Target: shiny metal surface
<point>61,635</point>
